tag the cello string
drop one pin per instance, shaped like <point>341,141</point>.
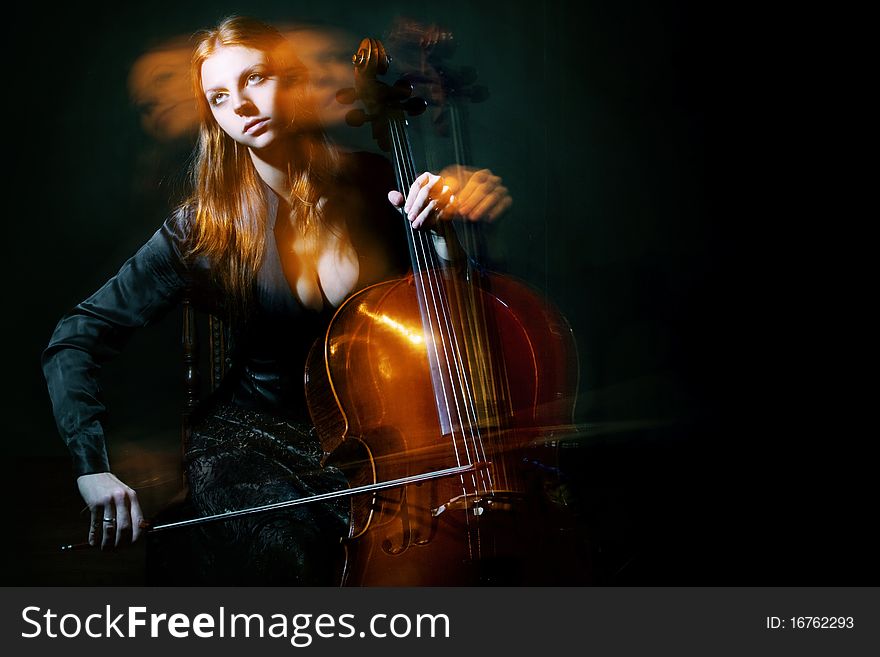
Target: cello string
<point>420,254</point>
<point>460,370</point>
<point>482,357</point>
<point>474,357</point>
<point>473,363</point>
<point>473,354</point>
<point>434,285</point>
<point>465,367</point>
<point>429,254</point>
<point>422,275</point>
<point>478,329</point>
<point>406,177</point>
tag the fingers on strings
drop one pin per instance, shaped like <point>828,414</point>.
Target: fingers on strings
<point>429,199</point>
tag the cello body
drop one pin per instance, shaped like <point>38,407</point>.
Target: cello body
<point>374,398</point>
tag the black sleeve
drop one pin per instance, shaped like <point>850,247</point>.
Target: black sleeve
<point>147,286</point>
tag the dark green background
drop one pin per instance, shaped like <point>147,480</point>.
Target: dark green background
<point>616,126</point>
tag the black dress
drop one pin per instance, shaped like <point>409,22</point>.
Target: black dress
<point>252,442</point>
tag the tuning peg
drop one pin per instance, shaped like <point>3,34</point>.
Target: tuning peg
<point>346,96</point>
<point>356,118</point>
<point>402,89</point>
<point>415,106</point>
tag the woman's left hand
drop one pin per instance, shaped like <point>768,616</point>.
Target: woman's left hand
<point>433,197</point>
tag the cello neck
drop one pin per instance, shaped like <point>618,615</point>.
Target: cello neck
<point>430,288</point>
<point>453,326</point>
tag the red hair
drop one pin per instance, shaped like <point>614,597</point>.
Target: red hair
<point>228,196</point>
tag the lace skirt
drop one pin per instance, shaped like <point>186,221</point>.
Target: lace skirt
<point>238,458</point>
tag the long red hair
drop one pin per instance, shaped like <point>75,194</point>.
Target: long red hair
<point>228,197</point>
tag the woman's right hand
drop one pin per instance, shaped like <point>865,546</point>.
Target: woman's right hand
<point>114,507</point>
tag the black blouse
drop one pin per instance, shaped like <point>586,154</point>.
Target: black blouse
<point>270,347</point>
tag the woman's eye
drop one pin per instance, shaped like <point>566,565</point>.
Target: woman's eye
<point>255,78</point>
<point>217,99</point>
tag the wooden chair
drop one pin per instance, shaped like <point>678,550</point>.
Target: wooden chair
<point>168,554</point>
<point>218,341</point>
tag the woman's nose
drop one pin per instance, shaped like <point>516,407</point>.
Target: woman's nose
<point>243,105</point>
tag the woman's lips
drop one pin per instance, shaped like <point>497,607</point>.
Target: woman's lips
<point>252,126</point>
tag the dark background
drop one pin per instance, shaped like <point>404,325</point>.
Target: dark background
<point>647,155</point>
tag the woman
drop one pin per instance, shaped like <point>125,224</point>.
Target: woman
<point>280,229</point>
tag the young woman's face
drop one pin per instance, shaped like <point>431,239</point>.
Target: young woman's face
<point>247,99</point>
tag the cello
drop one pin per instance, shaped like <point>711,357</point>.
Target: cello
<point>450,369</point>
